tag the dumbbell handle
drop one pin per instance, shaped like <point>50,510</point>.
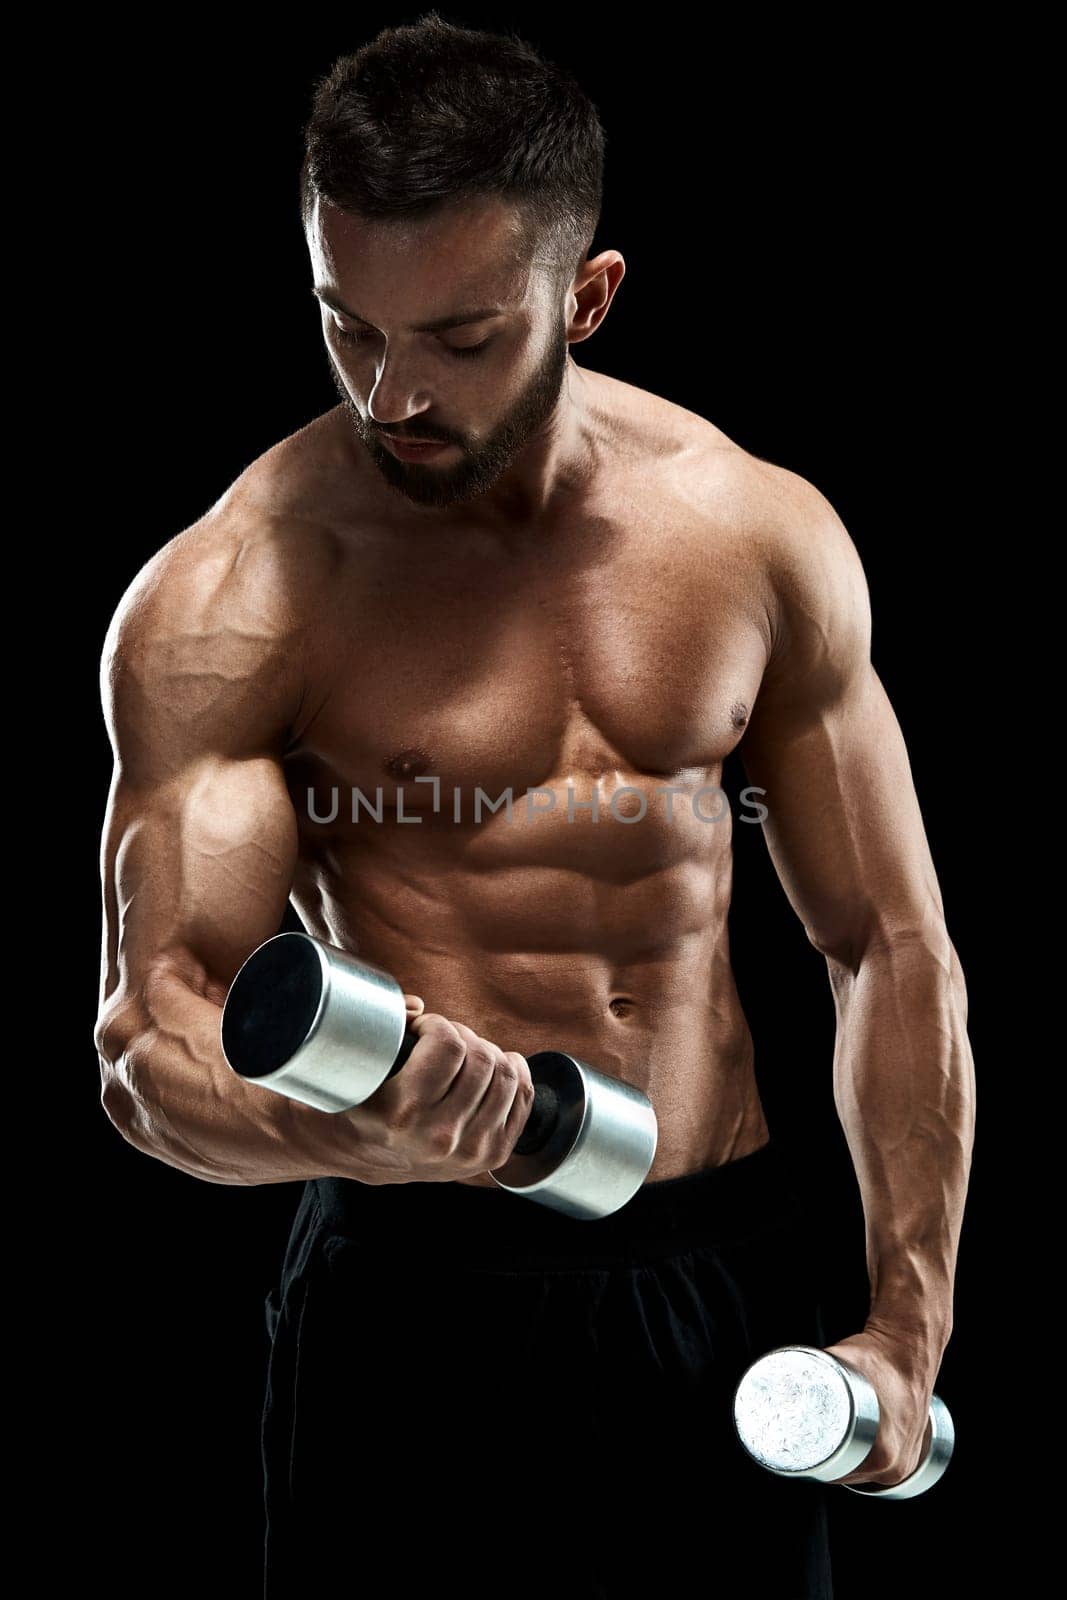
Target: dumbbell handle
<point>544,1113</point>
<point>310,1020</point>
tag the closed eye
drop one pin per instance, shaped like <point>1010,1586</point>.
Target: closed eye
<point>354,336</point>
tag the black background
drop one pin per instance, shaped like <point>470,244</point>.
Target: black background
<point>806,225</point>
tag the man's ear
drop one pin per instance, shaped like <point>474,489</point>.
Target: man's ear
<point>592,292</point>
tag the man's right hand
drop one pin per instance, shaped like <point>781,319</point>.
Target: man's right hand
<point>456,1108</point>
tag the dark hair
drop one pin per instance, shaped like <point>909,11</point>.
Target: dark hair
<point>430,113</point>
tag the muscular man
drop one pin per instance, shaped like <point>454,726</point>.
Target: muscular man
<point>585,597</point>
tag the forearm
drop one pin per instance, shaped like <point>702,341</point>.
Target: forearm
<point>905,1093</point>
<point>169,1090</point>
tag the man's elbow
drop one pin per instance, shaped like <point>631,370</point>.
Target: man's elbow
<point>120,1037</point>
<point>841,940</point>
<point>115,1029</point>
<point>856,942</point>
<point>116,1039</point>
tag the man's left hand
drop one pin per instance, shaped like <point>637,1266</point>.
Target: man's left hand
<point>903,1391</point>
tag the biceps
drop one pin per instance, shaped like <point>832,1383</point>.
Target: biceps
<point>843,823</point>
<point>196,872</point>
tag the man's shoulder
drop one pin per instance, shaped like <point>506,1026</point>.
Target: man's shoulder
<point>220,622</point>
<point>772,525</point>
<point>708,468</point>
<point>257,555</point>
<point>783,519</point>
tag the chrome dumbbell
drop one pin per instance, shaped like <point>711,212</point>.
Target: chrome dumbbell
<point>308,1020</point>
<point>803,1413</point>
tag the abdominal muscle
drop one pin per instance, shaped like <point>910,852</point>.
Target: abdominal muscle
<point>666,1020</point>
<point>610,948</point>
<point>701,1087</point>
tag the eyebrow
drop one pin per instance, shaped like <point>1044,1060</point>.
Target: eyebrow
<point>458,319</point>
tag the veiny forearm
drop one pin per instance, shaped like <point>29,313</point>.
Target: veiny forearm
<point>905,1093</point>
<point>169,1090</point>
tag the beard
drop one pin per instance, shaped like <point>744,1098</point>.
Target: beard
<point>479,466</point>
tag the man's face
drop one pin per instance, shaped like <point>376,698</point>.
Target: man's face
<point>485,388</point>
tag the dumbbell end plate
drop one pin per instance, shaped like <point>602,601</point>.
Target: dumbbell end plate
<point>601,1150</point>
<point>308,1020</point>
<point>800,1415</point>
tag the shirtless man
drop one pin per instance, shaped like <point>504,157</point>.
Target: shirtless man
<point>583,589</point>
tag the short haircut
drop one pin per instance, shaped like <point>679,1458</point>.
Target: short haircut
<point>428,114</point>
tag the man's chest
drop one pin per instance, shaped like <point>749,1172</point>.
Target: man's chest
<point>634,650</point>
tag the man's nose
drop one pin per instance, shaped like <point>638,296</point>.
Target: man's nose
<point>397,395</point>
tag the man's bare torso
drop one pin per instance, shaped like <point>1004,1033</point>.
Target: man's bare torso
<point>611,650</point>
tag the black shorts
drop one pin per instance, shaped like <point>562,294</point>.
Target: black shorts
<point>467,1389</point>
